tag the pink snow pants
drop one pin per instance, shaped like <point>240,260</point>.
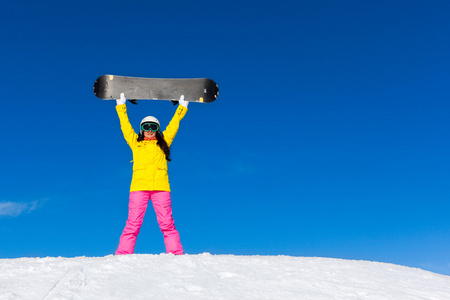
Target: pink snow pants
<point>136,211</point>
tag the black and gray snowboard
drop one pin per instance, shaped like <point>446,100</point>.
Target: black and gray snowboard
<point>109,87</point>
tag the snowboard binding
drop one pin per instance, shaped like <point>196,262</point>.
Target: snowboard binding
<point>134,101</point>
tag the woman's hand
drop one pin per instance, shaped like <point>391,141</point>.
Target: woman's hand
<point>122,99</point>
<point>183,102</point>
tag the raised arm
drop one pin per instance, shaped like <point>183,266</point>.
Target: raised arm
<point>174,124</point>
<point>127,130</point>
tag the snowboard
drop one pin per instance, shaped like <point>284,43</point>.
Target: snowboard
<point>109,87</point>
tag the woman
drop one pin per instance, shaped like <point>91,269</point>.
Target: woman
<point>150,181</point>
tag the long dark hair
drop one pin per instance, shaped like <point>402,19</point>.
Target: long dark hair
<point>161,143</point>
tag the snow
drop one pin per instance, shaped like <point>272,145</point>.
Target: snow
<point>207,276</point>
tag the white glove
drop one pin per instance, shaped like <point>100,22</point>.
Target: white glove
<point>183,102</point>
<point>122,99</point>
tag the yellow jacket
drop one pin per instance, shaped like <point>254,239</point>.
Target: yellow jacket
<point>150,164</point>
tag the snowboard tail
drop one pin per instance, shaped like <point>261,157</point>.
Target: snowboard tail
<point>109,87</point>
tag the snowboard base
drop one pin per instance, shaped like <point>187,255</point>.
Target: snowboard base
<point>109,87</point>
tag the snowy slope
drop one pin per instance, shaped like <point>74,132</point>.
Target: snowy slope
<point>208,276</point>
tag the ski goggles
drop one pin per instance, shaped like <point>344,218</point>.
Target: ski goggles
<point>150,127</point>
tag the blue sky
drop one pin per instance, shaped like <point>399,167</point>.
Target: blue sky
<point>330,136</point>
